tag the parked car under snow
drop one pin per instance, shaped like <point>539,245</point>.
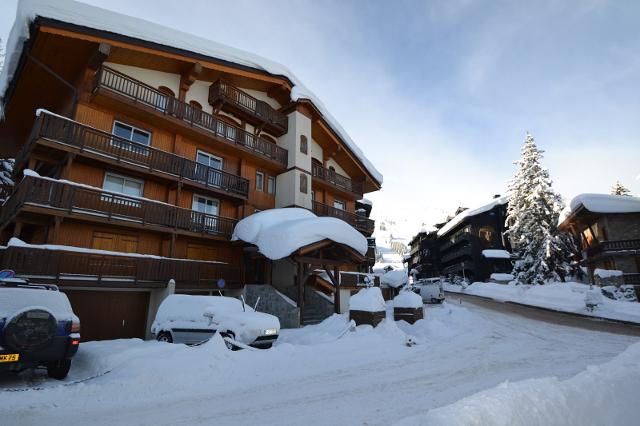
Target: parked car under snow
<point>37,328</point>
<point>192,320</point>
<point>430,289</point>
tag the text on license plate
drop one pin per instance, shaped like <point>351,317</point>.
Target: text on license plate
<point>9,357</point>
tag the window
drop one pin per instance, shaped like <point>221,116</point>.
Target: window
<point>210,173</point>
<point>313,196</point>
<point>340,205</point>
<point>486,235</point>
<point>303,183</point>
<point>271,185</point>
<point>123,185</point>
<point>205,215</point>
<point>164,100</point>
<point>225,127</point>
<point>133,134</point>
<point>195,104</point>
<point>303,144</point>
<point>259,181</point>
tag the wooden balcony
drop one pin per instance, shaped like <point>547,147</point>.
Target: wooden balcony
<point>361,223</point>
<point>240,103</point>
<point>456,255</point>
<point>463,237</point>
<point>336,180</point>
<point>61,133</point>
<point>76,268</point>
<point>51,197</point>
<point>607,247</point>
<point>158,103</point>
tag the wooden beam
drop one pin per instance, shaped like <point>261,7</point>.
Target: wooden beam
<point>187,79</point>
<point>99,56</point>
<point>319,262</point>
<point>336,295</point>
<point>301,292</point>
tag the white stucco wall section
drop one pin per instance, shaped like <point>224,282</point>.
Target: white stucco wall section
<point>315,150</point>
<point>151,77</point>
<point>263,97</point>
<point>199,92</point>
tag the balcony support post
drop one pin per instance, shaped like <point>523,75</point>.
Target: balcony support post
<point>17,229</point>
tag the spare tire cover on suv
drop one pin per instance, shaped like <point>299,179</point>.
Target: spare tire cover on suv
<point>30,330</point>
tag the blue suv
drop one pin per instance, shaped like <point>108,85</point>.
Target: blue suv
<point>37,328</point>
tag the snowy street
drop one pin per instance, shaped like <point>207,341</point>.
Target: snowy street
<point>312,376</point>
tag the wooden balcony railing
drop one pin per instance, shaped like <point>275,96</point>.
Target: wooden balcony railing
<point>336,179</point>
<point>70,198</point>
<point>465,236</point>
<point>632,279</point>
<point>68,132</point>
<point>361,223</point>
<point>464,251</point>
<point>139,92</point>
<point>221,91</point>
<point>57,265</point>
<point>615,245</point>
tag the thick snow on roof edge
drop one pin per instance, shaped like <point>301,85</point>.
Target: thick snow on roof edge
<point>472,212</point>
<point>94,17</point>
<point>279,232</point>
<point>601,203</point>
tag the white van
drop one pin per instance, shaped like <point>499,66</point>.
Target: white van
<point>431,290</point>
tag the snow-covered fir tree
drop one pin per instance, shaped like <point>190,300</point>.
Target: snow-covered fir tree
<point>620,189</point>
<point>532,215</point>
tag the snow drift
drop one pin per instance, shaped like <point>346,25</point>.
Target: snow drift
<point>600,395</point>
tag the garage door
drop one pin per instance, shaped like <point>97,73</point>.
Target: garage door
<point>106,315</point>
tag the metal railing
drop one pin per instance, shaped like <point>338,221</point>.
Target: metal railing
<point>225,92</point>
<point>85,138</point>
<point>139,92</point>
<point>103,204</point>
<point>336,179</point>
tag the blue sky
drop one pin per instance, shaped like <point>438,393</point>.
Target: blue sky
<point>440,94</point>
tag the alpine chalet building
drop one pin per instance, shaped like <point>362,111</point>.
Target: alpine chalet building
<point>138,148</point>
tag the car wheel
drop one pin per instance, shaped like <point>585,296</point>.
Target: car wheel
<point>229,345</point>
<point>165,336</point>
<point>58,369</point>
<point>434,300</point>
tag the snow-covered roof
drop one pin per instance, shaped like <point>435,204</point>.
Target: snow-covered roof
<point>601,203</point>
<point>101,19</point>
<point>279,232</point>
<point>472,212</point>
<point>496,254</point>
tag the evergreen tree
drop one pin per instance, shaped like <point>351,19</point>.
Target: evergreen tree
<point>620,189</point>
<point>532,216</point>
<point>1,54</point>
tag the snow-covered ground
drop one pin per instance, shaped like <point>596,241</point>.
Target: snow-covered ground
<point>565,297</point>
<point>326,374</point>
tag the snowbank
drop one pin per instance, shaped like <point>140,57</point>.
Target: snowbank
<point>472,212</point>
<point>407,299</point>
<point>101,19</point>
<point>602,395</point>
<point>565,297</point>
<point>368,300</point>
<point>496,254</point>
<point>279,232</point>
<point>601,203</point>
<point>607,273</point>
<point>501,277</point>
<point>394,278</point>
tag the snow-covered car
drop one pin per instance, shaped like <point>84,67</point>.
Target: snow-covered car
<point>431,290</point>
<point>37,328</point>
<point>192,320</point>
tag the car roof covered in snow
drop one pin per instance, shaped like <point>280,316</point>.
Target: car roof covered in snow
<point>88,16</point>
<point>16,299</point>
<point>600,203</point>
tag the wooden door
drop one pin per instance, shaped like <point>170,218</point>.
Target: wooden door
<point>201,252</point>
<point>115,242</point>
<point>106,315</point>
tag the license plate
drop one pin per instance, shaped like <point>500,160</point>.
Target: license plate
<point>9,357</point>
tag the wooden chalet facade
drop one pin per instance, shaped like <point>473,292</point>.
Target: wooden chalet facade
<point>609,237</point>
<point>156,151</point>
<point>471,245</point>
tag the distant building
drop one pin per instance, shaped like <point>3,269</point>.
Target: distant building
<point>608,227</point>
<point>472,244</point>
<point>425,254</point>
